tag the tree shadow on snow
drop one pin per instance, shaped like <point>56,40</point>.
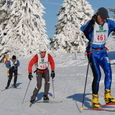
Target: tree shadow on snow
<point>79,98</point>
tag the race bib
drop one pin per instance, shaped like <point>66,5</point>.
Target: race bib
<point>100,34</point>
<point>43,65</point>
<point>43,62</point>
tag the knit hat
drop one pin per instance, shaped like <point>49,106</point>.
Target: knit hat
<point>103,13</point>
<point>13,57</point>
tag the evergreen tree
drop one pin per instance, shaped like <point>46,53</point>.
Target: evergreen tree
<point>24,31</point>
<point>4,17</point>
<point>113,11</point>
<point>72,14</point>
<point>3,12</point>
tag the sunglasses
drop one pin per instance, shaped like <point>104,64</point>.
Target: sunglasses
<point>43,52</point>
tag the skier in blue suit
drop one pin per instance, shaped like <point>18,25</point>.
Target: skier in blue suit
<point>12,65</point>
<point>97,31</point>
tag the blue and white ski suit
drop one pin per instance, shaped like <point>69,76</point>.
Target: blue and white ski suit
<point>98,57</point>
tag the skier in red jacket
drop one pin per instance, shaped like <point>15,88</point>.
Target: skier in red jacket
<point>42,60</point>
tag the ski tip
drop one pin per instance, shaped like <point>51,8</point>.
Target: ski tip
<point>81,108</point>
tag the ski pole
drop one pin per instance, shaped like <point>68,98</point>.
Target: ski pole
<point>85,84</point>
<point>53,88</point>
<point>26,91</point>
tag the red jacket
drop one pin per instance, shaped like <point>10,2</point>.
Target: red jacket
<point>35,59</point>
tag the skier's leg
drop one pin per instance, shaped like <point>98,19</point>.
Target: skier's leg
<point>36,90</point>
<point>96,79</point>
<point>108,80</point>
<point>15,78</point>
<point>9,78</point>
<point>96,73</point>
<point>46,85</point>
<point>105,64</point>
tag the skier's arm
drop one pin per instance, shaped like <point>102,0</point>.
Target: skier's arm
<point>32,62</point>
<point>88,27</point>
<point>18,63</point>
<point>111,25</point>
<point>8,64</point>
<point>51,61</point>
<point>83,27</point>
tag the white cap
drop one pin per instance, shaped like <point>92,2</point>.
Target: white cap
<point>42,48</point>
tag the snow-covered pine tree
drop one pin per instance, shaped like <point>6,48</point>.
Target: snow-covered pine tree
<point>24,32</point>
<point>4,17</point>
<point>72,14</point>
<point>113,11</point>
<point>3,12</point>
<point>113,16</point>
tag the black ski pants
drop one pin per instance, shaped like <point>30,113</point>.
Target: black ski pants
<point>11,74</point>
<point>39,77</point>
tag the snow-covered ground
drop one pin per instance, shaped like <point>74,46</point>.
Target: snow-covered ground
<point>69,86</point>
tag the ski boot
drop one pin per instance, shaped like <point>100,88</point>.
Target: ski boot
<point>33,97</point>
<point>6,87</point>
<point>14,86</point>
<point>95,101</point>
<point>46,98</point>
<point>32,100</point>
<point>108,97</point>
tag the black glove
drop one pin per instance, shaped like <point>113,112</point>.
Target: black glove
<point>30,76</point>
<point>52,74</point>
<point>93,19</point>
<point>16,65</point>
<point>12,67</point>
